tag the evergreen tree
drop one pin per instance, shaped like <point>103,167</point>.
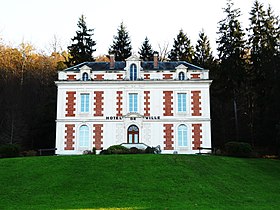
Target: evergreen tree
<point>146,51</point>
<point>263,75</point>
<point>231,49</point>
<point>203,55</point>
<point>121,46</point>
<point>83,46</point>
<point>182,48</point>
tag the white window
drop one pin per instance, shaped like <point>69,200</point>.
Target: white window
<point>182,102</point>
<point>181,76</point>
<point>84,102</point>
<point>133,72</point>
<point>84,136</point>
<point>133,102</point>
<point>182,136</point>
<point>85,76</point>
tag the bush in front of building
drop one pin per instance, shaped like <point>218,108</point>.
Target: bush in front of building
<point>118,149</point>
<point>9,150</point>
<point>238,149</point>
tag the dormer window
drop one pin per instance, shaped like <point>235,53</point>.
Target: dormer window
<point>85,76</point>
<point>133,72</point>
<point>181,76</point>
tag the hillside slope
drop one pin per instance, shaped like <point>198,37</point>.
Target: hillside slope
<point>139,182</point>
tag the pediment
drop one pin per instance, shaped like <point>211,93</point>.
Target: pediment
<point>181,66</point>
<point>85,68</point>
<point>134,57</point>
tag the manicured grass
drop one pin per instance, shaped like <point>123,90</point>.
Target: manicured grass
<point>139,182</point>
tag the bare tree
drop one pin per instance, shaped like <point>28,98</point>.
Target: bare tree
<point>163,51</point>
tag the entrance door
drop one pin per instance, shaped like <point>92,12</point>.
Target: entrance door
<point>133,134</point>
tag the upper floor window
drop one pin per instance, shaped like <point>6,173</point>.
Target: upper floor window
<point>182,102</point>
<point>181,76</point>
<point>85,76</point>
<point>133,102</point>
<point>182,136</point>
<point>133,72</point>
<point>84,102</point>
<point>84,136</point>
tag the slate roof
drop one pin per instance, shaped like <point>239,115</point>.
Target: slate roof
<point>146,65</point>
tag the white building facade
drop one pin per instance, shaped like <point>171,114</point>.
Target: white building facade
<point>133,103</point>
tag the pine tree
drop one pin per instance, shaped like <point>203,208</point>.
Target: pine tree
<point>231,49</point>
<point>182,48</point>
<point>146,51</point>
<point>263,74</point>
<point>83,46</point>
<point>203,55</point>
<point>121,46</point>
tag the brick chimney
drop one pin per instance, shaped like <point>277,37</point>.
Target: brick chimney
<point>155,60</point>
<point>112,61</point>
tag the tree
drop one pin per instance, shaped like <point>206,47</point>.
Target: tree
<point>121,46</point>
<point>231,49</point>
<point>146,52</point>
<point>203,55</point>
<point>83,46</point>
<point>182,48</point>
<point>264,37</point>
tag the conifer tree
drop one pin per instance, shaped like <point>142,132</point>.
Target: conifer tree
<point>203,55</point>
<point>182,48</point>
<point>83,46</point>
<point>121,46</point>
<point>231,49</point>
<point>146,51</point>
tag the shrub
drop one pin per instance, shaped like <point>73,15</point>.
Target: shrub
<point>104,152</point>
<point>29,153</point>
<point>9,150</point>
<point>93,150</point>
<point>150,150</point>
<point>118,149</point>
<point>238,149</point>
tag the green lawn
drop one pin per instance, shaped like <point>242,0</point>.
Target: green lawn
<point>139,182</point>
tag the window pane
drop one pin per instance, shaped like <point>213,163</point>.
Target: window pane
<point>133,102</point>
<point>182,102</point>
<point>182,135</point>
<point>84,103</point>
<point>84,136</point>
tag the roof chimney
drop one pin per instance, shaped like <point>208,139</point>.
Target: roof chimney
<point>155,60</point>
<point>112,61</point>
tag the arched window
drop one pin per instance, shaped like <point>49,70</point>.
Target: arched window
<point>133,134</point>
<point>182,136</point>
<point>133,72</point>
<point>181,76</point>
<point>84,136</point>
<point>85,76</point>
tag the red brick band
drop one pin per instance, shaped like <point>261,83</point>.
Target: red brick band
<point>99,76</point>
<point>196,131</point>
<point>196,108</point>
<point>119,103</point>
<point>70,104</point>
<point>147,103</point>
<point>168,136</point>
<point>71,77</point>
<point>167,76</point>
<point>98,103</point>
<point>69,137</point>
<point>97,136</point>
<point>167,103</point>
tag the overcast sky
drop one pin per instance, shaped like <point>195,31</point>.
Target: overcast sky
<point>37,21</point>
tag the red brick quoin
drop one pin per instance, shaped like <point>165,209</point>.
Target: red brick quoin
<point>196,131</point>
<point>167,103</point>
<point>196,108</point>
<point>99,76</point>
<point>147,103</point>
<point>167,76</point>
<point>168,136</point>
<point>119,103</point>
<point>71,77</point>
<point>147,76</point>
<point>97,136</point>
<point>70,104</point>
<point>119,76</point>
<point>98,103</point>
<point>195,76</point>
<point>69,131</point>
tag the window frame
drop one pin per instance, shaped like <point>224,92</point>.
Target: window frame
<point>182,102</point>
<point>133,102</point>
<point>181,76</point>
<point>84,136</point>
<point>84,103</point>
<point>133,72</point>
<point>182,136</point>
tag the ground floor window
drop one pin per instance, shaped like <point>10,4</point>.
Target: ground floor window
<point>133,134</point>
<point>84,136</point>
<point>182,136</point>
